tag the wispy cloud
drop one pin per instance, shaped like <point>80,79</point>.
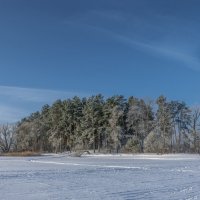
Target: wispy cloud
<point>185,58</point>
<point>11,114</point>
<point>18,102</point>
<point>154,34</point>
<point>114,15</point>
<point>36,95</point>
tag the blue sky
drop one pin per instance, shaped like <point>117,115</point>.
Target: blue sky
<point>61,48</point>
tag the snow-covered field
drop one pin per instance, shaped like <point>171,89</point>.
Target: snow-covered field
<point>100,177</point>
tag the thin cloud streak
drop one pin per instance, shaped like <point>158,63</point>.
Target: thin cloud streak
<point>17,102</point>
<point>10,114</point>
<point>186,58</point>
<point>36,95</point>
<point>190,62</point>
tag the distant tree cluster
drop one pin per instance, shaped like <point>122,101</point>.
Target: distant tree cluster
<point>110,125</point>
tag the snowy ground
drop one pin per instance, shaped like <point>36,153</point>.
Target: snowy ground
<point>100,177</point>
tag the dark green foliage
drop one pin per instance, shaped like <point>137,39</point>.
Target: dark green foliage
<point>111,125</point>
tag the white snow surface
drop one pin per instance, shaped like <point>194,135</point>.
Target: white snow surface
<point>105,177</point>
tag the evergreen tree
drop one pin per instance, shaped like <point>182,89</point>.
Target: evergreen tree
<point>92,122</point>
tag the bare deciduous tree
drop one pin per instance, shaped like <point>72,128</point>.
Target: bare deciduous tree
<point>7,133</point>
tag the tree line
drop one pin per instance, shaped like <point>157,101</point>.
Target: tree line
<point>110,125</point>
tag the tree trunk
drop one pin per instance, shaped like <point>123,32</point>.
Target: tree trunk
<point>99,142</point>
<point>94,142</point>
